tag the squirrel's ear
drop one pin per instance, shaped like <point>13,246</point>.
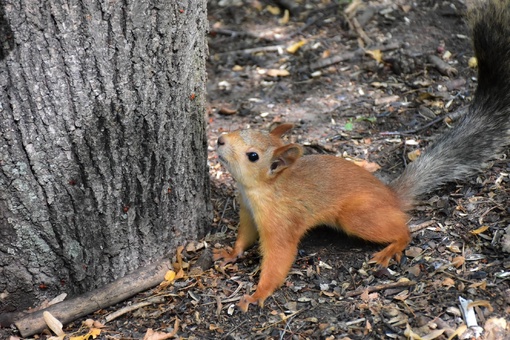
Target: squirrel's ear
<point>285,156</point>
<point>279,130</point>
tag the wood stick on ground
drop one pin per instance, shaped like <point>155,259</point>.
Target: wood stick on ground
<point>361,33</point>
<point>443,67</point>
<point>133,307</point>
<point>117,291</point>
<point>347,56</point>
<point>417,227</point>
<point>380,287</point>
<point>271,48</point>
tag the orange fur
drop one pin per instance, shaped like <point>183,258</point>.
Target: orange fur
<point>283,195</point>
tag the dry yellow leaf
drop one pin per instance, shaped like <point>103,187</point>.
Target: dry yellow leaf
<point>81,337</point>
<point>295,47</point>
<point>286,16</point>
<point>413,155</point>
<point>93,332</point>
<point>376,54</point>
<point>479,230</point>
<point>473,62</point>
<point>170,276</point>
<point>459,331</point>
<point>274,10</point>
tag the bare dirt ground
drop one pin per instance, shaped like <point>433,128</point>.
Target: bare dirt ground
<point>363,86</point>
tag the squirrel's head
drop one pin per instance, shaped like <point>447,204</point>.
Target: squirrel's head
<point>254,157</point>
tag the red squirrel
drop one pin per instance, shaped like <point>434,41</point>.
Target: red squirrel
<point>284,194</point>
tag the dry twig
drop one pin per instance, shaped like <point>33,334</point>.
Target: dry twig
<point>380,287</point>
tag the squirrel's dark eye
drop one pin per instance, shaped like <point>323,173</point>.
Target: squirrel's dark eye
<point>253,156</point>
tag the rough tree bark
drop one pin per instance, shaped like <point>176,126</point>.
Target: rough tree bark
<point>103,164</point>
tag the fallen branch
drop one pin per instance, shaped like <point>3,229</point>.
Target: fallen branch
<point>133,307</point>
<point>380,287</point>
<point>347,56</point>
<point>417,227</point>
<point>449,118</point>
<point>271,48</point>
<point>442,66</point>
<point>117,291</point>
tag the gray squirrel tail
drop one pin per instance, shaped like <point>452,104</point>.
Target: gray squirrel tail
<point>485,129</point>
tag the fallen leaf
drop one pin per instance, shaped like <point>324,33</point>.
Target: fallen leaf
<point>151,335</point>
<point>458,261</point>
<point>433,334</point>
<point>170,276</point>
<point>413,252</point>
<point>376,54</point>
<point>53,324</point>
<point>483,303</point>
<point>179,275</point>
<point>285,19</point>
<point>459,331</point>
<point>179,256</point>
<point>369,166</point>
<point>93,333</point>
<point>274,10</point>
<point>479,230</point>
<point>226,111</point>
<point>415,270</point>
<point>89,323</point>
<point>410,334</point>
<point>295,47</point>
<point>496,328</point>
<point>482,285</point>
<point>453,248</point>
<point>190,247</point>
<point>473,62</point>
<point>413,155</point>
<point>364,296</point>
<point>57,299</point>
<point>277,73</point>
<point>386,100</point>
<point>448,282</point>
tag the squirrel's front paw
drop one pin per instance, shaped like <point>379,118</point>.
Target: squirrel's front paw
<point>224,254</point>
<point>245,301</point>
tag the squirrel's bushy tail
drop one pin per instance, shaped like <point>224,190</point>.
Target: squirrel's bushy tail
<point>485,129</point>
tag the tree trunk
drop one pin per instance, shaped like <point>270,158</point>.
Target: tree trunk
<point>103,161</point>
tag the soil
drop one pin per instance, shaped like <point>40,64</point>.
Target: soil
<point>370,94</point>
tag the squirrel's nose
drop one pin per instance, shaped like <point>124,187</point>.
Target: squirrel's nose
<point>221,140</point>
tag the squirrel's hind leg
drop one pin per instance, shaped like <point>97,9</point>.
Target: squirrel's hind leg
<point>393,250</point>
<point>385,225</point>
